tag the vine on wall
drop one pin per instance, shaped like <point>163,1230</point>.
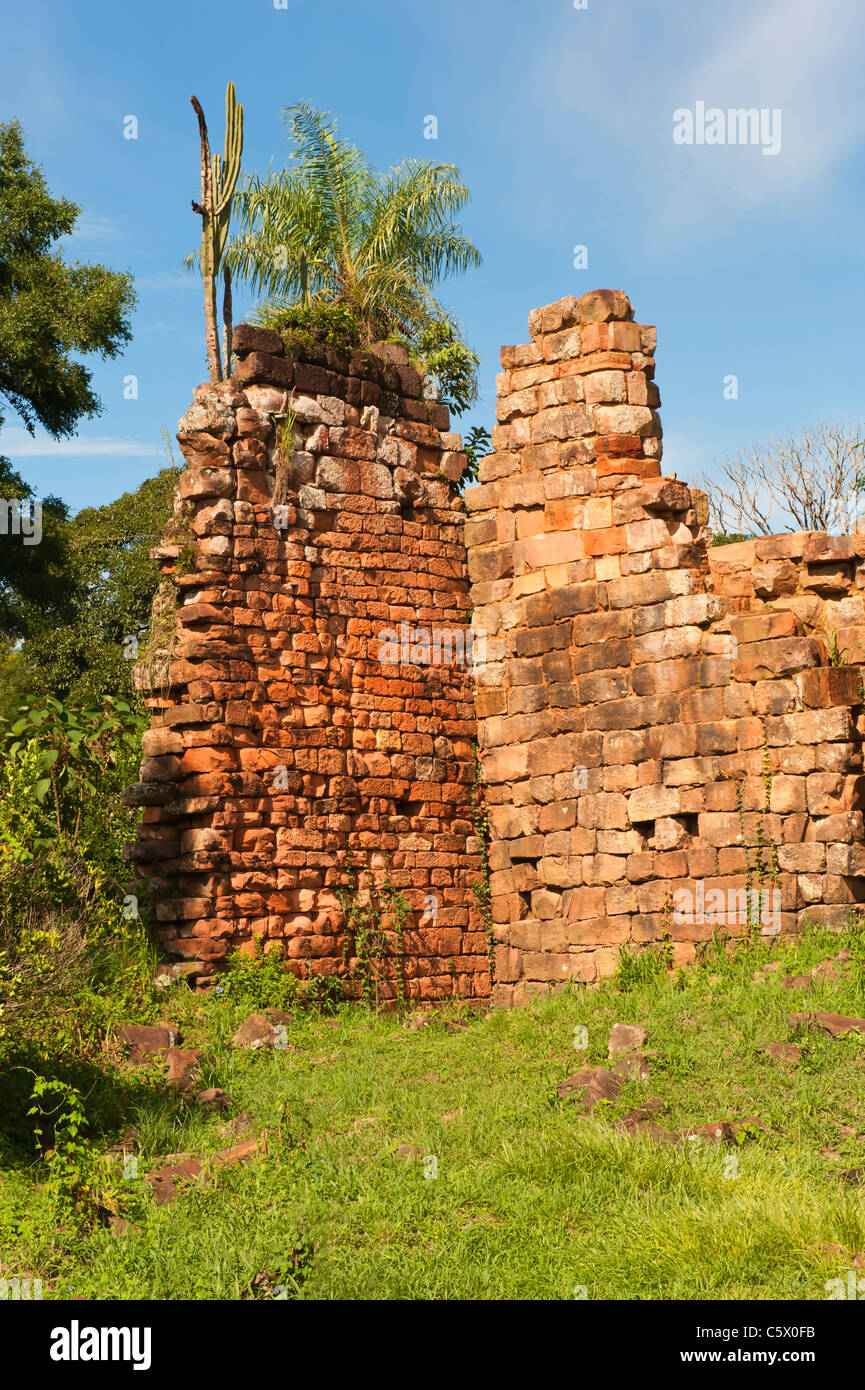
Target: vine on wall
<point>482,890</point>
<point>376,916</point>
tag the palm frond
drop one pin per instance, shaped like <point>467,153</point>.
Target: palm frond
<point>337,172</point>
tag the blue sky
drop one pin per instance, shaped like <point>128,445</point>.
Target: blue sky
<point>561,122</point>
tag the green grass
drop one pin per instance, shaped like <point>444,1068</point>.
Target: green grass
<point>533,1198</point>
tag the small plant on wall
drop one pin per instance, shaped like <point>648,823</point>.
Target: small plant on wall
<point>375,919</point>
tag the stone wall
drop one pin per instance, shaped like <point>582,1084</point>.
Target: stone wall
<point>670,732</point>
<point>289,726</point>
<point>668,746</point>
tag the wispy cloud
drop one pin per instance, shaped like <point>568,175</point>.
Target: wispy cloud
<point>89,228</point>
<point>806,60</point>
<point>16,442</point>
<point>168,280</point>
<point>801,57</point>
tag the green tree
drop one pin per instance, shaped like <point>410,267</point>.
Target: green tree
<point>33,578</point>
<point>110,579</point>
<point>331,233</point>
<point>50,308</point>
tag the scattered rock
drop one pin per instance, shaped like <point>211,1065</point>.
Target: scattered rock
<point>797,982</point>
<point>167,1182</point>
<point>836,1024</point>
<point>127,1143</point>
<point>828,1250</point>
<point>765,970</point>
<point>238,1153</point>
<point>716,1132</point>
<point>143,1043</point>
<point>166,975</point>
<point>119,1226</point>
<point>625,1037</point>
<point>727,1131</point>
<point>642,1114</point>
<point>239,1125</point>
<point>213,1099</point>
<point>632,1068</point>
<point>783,1052</point>
<point>826,972</point>
<point>641,1121</point>
<point>591,1085</point>
<point>182,1067</point>
<point>255,1032</point>
<point>278,1016</point>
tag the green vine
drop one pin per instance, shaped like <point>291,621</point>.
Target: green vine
<point>749,868</point>
<point>766,845</point>
<point>375,922</point>
<point>482,889</point>
<point>178,531</point>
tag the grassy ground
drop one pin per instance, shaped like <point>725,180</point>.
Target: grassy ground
<point>514,1193</point>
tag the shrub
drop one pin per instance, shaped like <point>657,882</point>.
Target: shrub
<point>63,828</point>
<point>261,980</point>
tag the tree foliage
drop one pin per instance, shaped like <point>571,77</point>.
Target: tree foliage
<point>108,580</point>
<point>32,577</point>
<point>50,307</point>
<point>329,230</point>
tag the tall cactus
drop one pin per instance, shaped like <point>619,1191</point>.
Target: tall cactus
<point>218,182</point>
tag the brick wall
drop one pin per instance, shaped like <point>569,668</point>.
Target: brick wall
<point>299,710</point>
<point>670,732</point>
<point>668,749</point>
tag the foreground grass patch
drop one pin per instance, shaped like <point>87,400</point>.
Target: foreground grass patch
<point>504,1190</point>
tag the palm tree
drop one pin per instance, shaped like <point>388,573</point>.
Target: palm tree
<point>329,232</point>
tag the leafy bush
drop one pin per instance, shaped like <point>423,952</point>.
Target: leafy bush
<point>641,966</point>
<point>304,327</point>
<point>261,980</point>
<point>63,827</point>
<point>476,445</point>
<point>450,361</point>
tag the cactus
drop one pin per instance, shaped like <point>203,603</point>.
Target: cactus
<point>218,182</point>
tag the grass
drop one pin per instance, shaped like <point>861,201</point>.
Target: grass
<point>533,1198</point>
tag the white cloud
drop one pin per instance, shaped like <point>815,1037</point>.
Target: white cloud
<point>17,443</point>
<point>802,57</point>
<point>89,228</point>
<point>168,280</point>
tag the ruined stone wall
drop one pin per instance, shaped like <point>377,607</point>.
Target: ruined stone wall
<point>670,732</point>
<point>668,747</point>
<point>317,512</point>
